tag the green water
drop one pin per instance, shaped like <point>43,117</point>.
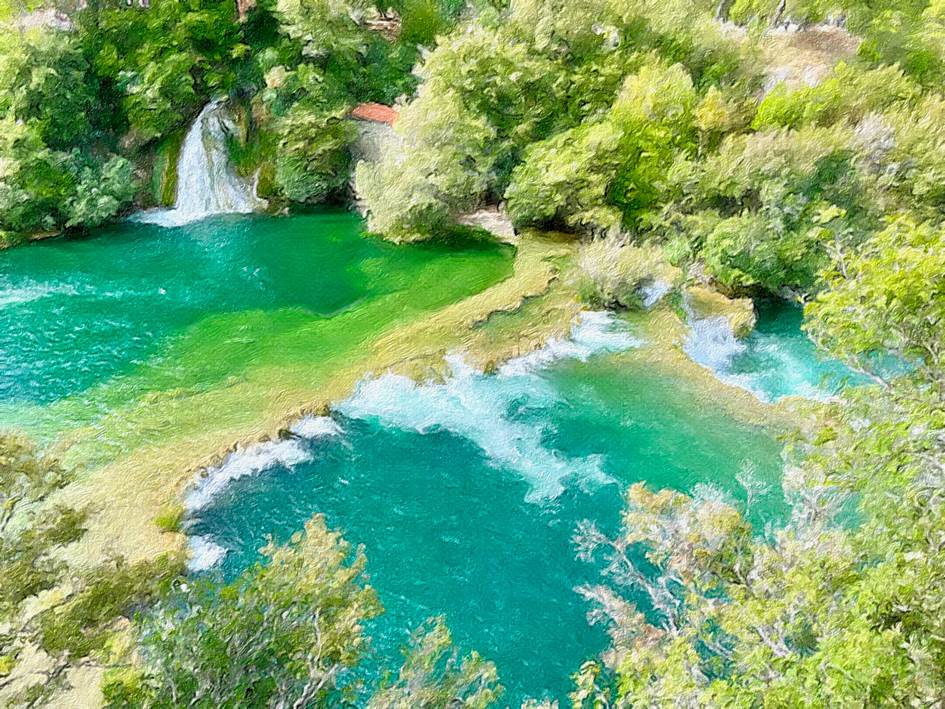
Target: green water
<point>465,493</point>
<point>780,360</point>
<point>454,490</point>
<point>88,326</point>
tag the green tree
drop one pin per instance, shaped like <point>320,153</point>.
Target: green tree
<point>65,615</point>
<point>53,174</point>
<point>433,675</point>
<point>281,634</point>
<point>886,298</point>
<point>604,175</point>
<point>435,172</point>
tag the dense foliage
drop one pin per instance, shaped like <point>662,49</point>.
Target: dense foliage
<point>653,130</point>
<point>287,633</point>
<point>655,121</point>
<point>54,171</point>
<point>54,617</point>
<point>87,103</point>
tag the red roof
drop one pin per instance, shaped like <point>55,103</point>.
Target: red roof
<point>376,112</point>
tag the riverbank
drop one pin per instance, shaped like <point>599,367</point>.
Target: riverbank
<point>166,439</point>
<point>143,456</point>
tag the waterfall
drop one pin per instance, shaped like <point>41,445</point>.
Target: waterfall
<point>711,341</point>
<point>205,183</point>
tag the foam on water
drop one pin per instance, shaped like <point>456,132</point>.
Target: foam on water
<point>206,184</point>
<point>316,427</point>
<point>712,343</point>
<point>771,365</point>
<point>483,408</point>
<point>654,292</point>
<point>204,553</point>
<point>17,295</point>
<point>240,463</point>
<point>596,332</point>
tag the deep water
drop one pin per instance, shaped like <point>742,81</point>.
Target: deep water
<point>466,495</point>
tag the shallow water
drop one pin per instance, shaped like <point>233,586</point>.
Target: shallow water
<point>776,359</point>
<point>466,494</point>
<point>88,326</point>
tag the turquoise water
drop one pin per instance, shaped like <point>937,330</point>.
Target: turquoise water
<point>776,359</point>
<point>99,322</point>
<point>466,495</point>
<point>782,361</point>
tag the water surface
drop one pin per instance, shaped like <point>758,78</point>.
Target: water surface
<point>466,494</point>
<point>88,326</point>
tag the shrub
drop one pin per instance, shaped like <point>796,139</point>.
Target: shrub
<point>611,272</point>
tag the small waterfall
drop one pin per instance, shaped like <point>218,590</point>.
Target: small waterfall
<point>711,341</point>
<point>205,183</point>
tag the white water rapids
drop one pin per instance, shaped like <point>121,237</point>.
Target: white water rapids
<point>206,184</point>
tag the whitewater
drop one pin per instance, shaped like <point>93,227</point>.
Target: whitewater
<point>206,184</point>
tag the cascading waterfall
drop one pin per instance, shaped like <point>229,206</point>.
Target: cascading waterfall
<point>206,184</point>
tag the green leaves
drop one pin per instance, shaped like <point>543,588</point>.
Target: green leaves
<point>433,675</point>
<point>281,633</point>
<point>313,160</point>
<point>887,298</point>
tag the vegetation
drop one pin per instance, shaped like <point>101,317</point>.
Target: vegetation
<point>282,634</point>
<point>818,612</point>
<point>85,110</point>
<point>68,616</point>
<point>649,121</point>
<point>286,632</point>
<point>644,127</point>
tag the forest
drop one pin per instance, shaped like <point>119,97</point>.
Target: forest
<point>658,136</point>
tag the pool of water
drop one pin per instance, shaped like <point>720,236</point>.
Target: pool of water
<point>88,326</point>
<point>466,493</point>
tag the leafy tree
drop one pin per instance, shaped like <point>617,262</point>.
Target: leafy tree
<point>846,96</point>
<point>163,61</point>
<point>46,85</point>
<point>434,676</point>
<point>436,173</point>
<point>887,298</point>
<point>288,632</point>
<point>101,192</point>
<point>600,176</point>
<point>907,155</point>
<point>65,614</point>
<point>313,159</point>
<point>47,158</point>
<point>282,634</point>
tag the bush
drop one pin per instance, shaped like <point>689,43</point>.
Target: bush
<point>438,172</point>
<point>846,96</point>
<point>607,174</point>
<point>611,272</point>
<point>313,159</point>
